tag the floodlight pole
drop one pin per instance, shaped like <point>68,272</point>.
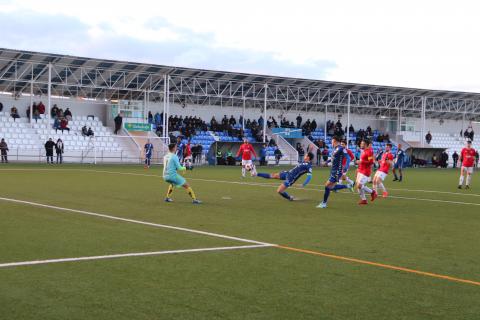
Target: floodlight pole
<point>49,104</point>
<point>265,114</point>
<point>348,117</point>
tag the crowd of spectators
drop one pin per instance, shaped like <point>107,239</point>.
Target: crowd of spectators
<point>468,134</point>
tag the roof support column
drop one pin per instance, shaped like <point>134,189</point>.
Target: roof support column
<point>49,103</point>
<point>168,105</point>
<point>348,117</point>
<point>243,115</point>
<point>325,125</point>
<point>422,133</point>
<point>31,99</point>
<point>164,118</point>
<point>265,114</point>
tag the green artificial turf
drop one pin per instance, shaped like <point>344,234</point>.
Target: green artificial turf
<point>433,229</point>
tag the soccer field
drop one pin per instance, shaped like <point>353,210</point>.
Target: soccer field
<point>98,242</point>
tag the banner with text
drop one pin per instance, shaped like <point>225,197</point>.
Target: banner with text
<point>132,126</point>
<point>288,133</point>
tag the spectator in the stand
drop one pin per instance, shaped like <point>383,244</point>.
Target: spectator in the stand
<point>476,158</point>
<point>455,159</point>
<point>313,125</point>
<point>36,115</point>
<point>49,145</point>
<point>325,154</point>
<point>158,119</point>
<point>428,137</point>
<point>351,129</point>
<point>64,125</point>
<point>461,133</point>
<point>263,155</point>
<point>84,131</point>
<point>1,107</point>
<point>299,121</point>
<point>59,150</point>
<point>4,151</point>
<point>278,155</point>
<point>272,143</point>
<point>319,156</point>
<point>301,152</point>
<point>90,132</point>
<point>68,114</point>
<point>260,122</point>
<point>54,111</point>
<point>118,123</point>
<point>444,159</point>
<point>232,121</point>
<point>41,107</point>
<point>14,113</point>
<point>56,124</point>
<point>150,117</point>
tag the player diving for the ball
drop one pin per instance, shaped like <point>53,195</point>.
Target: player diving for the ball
<point>336,172</point>
<point>290,177</point>
<point>171,164</point>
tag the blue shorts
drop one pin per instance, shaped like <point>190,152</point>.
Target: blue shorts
<point>176,181</point>
<point>289,180</point>
<point>335,176</point>
<point>148,156</point>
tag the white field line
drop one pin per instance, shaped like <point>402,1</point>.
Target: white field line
<point>135,221</point>
<point>124,255</point>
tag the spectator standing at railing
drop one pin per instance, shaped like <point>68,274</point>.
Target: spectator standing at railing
<point>263,155</point>
<point>64,125</point>
<point>54,111</point>
<point>278,155</point>
<point>41,107</point>
<point>4,151</point>
<point>14,113</point>
<point>455,158</point>
<point>150,117</point>
<point>118,123</point>
<point>68,114</point>
<point>299,121</point>
<point>59,149</point>
<point>49,145</point>
<point>428,137</point>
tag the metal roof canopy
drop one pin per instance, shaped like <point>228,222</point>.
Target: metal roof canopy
<point>108,79</point>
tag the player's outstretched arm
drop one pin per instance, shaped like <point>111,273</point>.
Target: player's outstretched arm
<point>307,180</point>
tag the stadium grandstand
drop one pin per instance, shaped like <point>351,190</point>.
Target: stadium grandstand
<point>212,109</point>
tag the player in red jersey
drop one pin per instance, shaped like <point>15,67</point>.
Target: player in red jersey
<point>187,156</point>
<point>382,172</point>
<point>364,171</point>
<point>247,151</point>
<point>467,158</point>
<point>348,157</point>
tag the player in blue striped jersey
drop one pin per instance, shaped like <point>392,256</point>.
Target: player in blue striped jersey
<point>336,172</point>
<point>148,148</point>
<point>290,177</point>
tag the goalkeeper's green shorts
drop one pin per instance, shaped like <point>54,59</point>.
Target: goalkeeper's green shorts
<point>177,181</point>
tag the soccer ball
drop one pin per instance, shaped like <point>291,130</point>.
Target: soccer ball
<point>248,167</point>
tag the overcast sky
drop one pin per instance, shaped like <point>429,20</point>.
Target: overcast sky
<point>426,44</point>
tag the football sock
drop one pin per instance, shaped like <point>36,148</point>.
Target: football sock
<point>382,186</point>
<point>350,181</point>
<point>326,194</point>
<point>461,181</point>
<point>285,195</point>
<point>191,193</point>
<point>340,187</point>
<point>254,171</point>
<point>469,177</point>
<point>367,189</point>
<point>395,175</point>
<point>362,194</point>
<point>263,175</point>
<point>170,190</point>
<point>243,171</point>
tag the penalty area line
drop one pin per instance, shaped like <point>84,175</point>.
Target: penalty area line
<point>125,255</point>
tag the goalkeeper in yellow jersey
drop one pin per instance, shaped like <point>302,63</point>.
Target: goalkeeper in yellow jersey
<point>171,164</point>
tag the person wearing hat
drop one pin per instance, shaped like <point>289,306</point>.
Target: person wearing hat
<point>467,158</point>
